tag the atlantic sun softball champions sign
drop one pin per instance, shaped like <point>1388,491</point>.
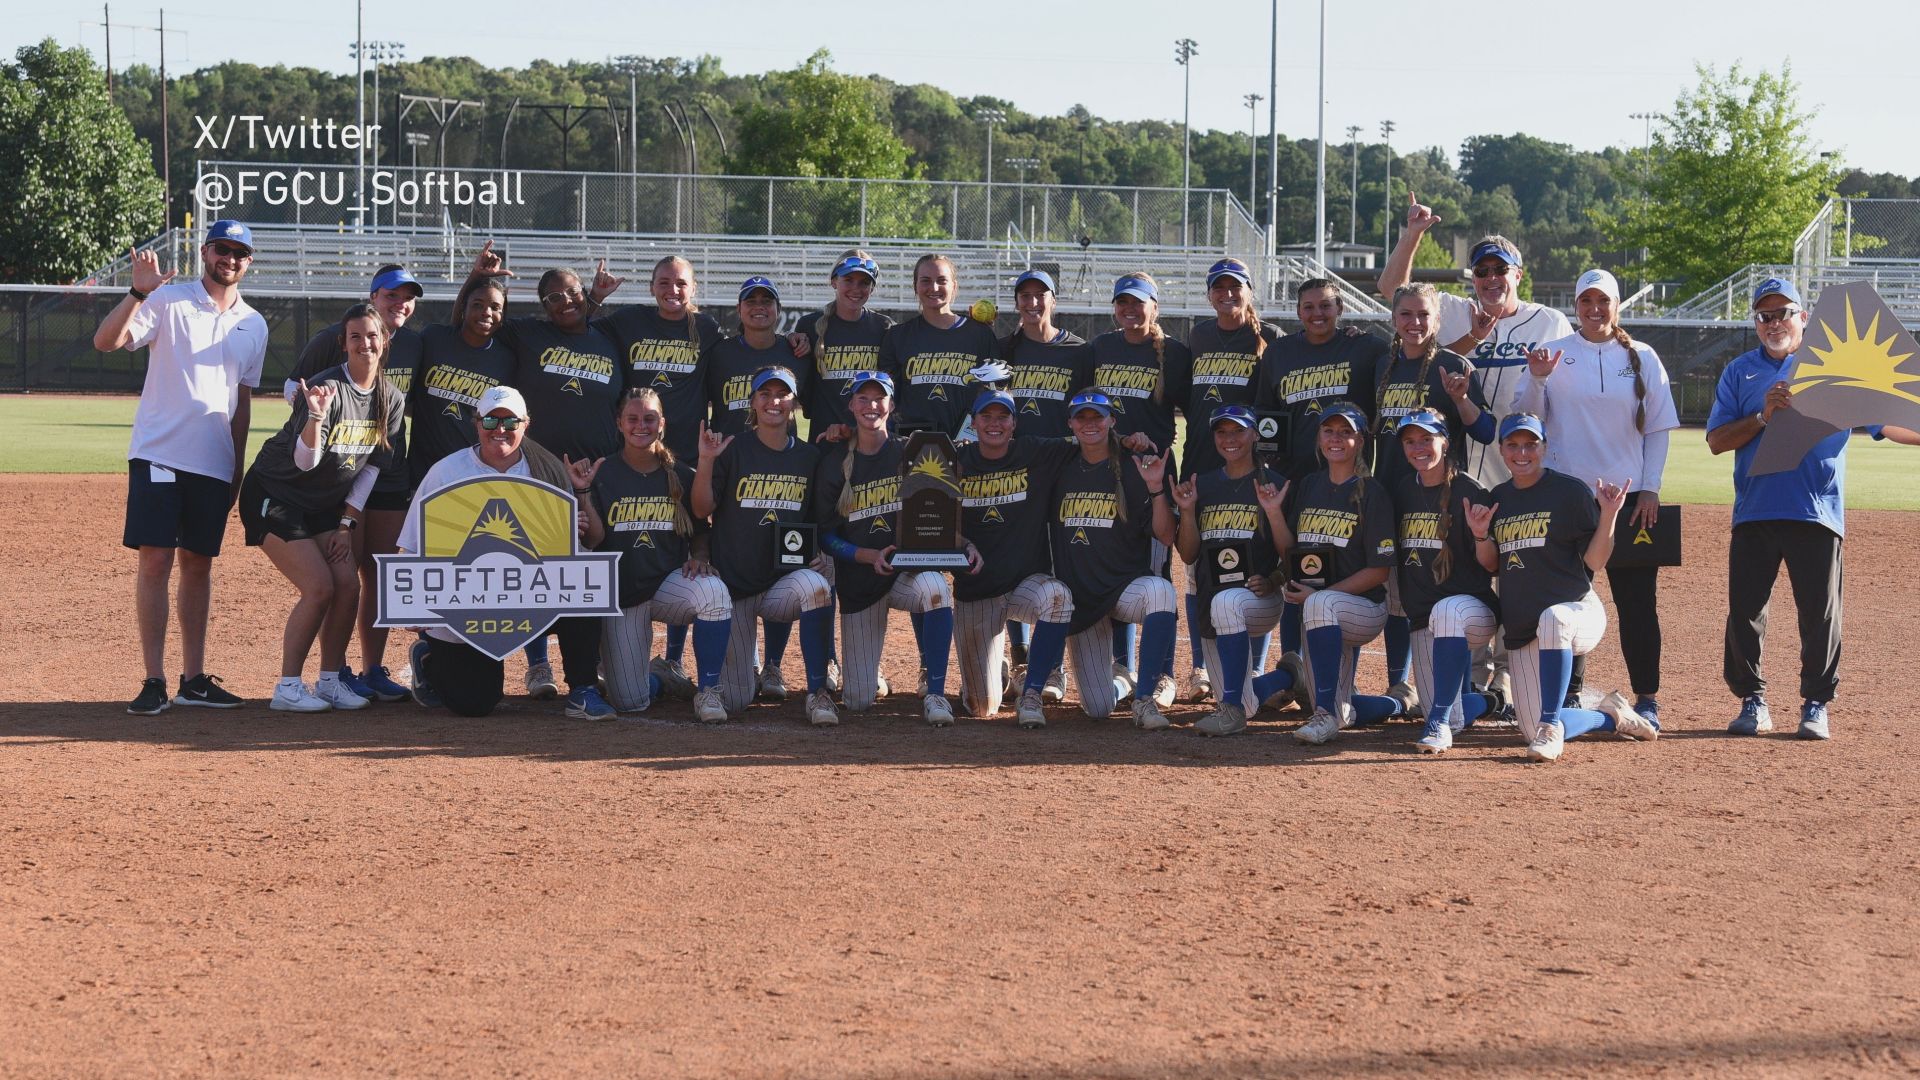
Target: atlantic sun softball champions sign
<point>499,561</point>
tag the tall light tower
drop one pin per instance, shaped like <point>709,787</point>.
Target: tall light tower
<point>1353,213</point>
<point>1253,154</point>
<point>379,52</point>
<point>1320,153</point>
<point>989,117</point>
<point>1023,164</point>
<point>1386,219</point>
<point>1273,137</point>
<point>1183,55</point>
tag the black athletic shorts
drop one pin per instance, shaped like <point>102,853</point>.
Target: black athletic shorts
<point>167,508</point>
<point>396,501</point>
<point>264,515</point>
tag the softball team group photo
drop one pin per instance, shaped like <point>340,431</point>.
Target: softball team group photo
<point>1449,498</point>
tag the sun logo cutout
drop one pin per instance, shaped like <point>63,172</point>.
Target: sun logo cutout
<point>1859,359</point>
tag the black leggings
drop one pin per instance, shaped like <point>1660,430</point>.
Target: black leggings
<point>472,683</point>
<point>1635,594</point>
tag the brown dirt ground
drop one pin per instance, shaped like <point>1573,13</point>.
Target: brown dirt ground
<point>405,893</point>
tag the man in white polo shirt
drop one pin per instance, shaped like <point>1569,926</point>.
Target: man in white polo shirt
<point>205,350</point>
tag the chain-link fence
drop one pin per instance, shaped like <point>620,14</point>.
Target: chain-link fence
<point>339,196</point>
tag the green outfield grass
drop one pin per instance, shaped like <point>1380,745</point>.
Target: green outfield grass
<point>57,434</point>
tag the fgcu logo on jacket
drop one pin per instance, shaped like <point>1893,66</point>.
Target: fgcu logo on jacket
<point>498,564</point>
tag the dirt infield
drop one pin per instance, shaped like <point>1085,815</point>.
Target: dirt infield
<point>405,893</point>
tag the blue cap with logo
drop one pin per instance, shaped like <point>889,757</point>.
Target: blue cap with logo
<point>780,374</point>
<point>1092,399</point>
<point>1774,286</point>
<point>878,378</point>
<point>233,232</point>
<point>857,264</point>
<point>1230,268</point>
<point>1040,276</point>
<point>1344,410</point>
<point>1426,420</point>
<point>1521,421</point>
<point>1140,288</point>
<point>1493,249</point>
<point>396,278</point>
<point>1239,414</point>
<point>758,282</point>
<point>992,397</point>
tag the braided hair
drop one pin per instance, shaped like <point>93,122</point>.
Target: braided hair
<point>1639,380</point>
<point>682,524</point>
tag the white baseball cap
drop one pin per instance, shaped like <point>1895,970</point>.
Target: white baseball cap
<point>502,397</point>
<point>1597,279</point>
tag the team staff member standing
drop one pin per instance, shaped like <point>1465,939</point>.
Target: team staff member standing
<point>841,340</point>
<point>1545,537</point>
<point>1607,407</point>
<point>305,496</point>
<point>568,368</point>
<point>1495,330</point>
<point>393,294</point>
<point>189,440</point>
<point>1796,517</point>
<point>932,353</point>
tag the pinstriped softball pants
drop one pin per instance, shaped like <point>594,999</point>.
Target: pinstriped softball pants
<point>1235,611</point>
<point>1091,650</point>
<point>863,633</point>
<point>1455,616</point>
<point>626,643</point>
<point>1360,620</point>
<point>798,591</point>
<point>1576,627</point>
<point>980,635</point>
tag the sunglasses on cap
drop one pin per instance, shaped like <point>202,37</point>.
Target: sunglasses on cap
<point>1239,414</point>
<point>501,423</point>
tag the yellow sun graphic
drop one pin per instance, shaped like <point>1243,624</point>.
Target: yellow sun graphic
<point>933,465</point>
<point>500,527</point>
<point>1859,359</point>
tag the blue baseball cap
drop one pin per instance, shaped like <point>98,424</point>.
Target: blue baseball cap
<point>879,378</point>
<point>1040,276</point>
<point>1134,285</point>
<point>1345,410</point>
<point>233,232</point>
<point>1426,420</point>
<point>993,397</point>
<point>1092,399</point>
<point>394,279</point>
<point>1493,249</point>
<point>1232,268</point>
<point>779,374</point>
<point>1774,286</point>
<point>1239,414</point>
<point>857,264</point>
<point>758,282</point>
<point>1521,421</point>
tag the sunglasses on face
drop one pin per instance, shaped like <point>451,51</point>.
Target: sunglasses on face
<point>1490,271</point>
<point>230,251</point>
<point>1776,315</point>
<point>562,296</point>
<point>501,423</point>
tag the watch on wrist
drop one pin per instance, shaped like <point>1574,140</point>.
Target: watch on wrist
<point>349,524</point>
<point>1762,417</point>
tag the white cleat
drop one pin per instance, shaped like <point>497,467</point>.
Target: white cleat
<point>1147,716</point>
<point>1324,725</point>
<point>938,711</point>
<point>707,706</point>
<point>773,685</point>
<point>1199,686</point>
<point>833,676</point>
<point>1165,692</point>
<point>1435,741</point>
<point>1228,719</point>
<point>1055,690</point>
<point>1031,713</point>
<point>1627,722</point>
<point>820,710</point>
<point>1549,741</point>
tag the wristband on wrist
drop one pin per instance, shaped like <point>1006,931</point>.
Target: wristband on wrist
<point>136,293</point>
<point>1481,539</point>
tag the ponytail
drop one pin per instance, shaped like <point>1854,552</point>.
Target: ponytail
<point>845,505</point>
<point>1639,380</point>
<point>1443,562</point>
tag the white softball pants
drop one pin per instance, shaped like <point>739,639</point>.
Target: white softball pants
<point>863,634</point>
<point>798,591</point>
<point>1235,611</point>
<point>980,635</point>
<point>1091,650</point>
<point>1360,620</point>
<point>1455,616</point>
<point>626,643</point>
<point>1576,627</point>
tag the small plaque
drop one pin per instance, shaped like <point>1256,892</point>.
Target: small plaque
<point>1228,563</point>
<point>1273,431</point>
<point>929,505</point>
<point>794,544</point>
<point>1310,565</point>
<point>1656,545</point>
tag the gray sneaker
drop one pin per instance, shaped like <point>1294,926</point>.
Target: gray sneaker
<point>1147,716</point>
<point>674,684</point>
<point>1754,718</point>
<point>1228,719</point>
<point>540,684</point>
<point>1031,713</point>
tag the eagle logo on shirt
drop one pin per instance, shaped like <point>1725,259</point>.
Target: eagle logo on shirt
<point>660,379</point>
<point>644,539</point>
<point>880,525</point>
<point>1030,406</point>
<point>992,517</point>
<point>1213,394</point>
<point>1513,561</point>
<point>1413,557</point>
<point>1080,537</point>
<point>452,411</point>
<point>770,518</point>
<point>938,393</point>
<point>572,386</point>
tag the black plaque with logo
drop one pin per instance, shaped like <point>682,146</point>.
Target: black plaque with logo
<point>1310,565</point>
<point>1656,545</point>
<point>929,537</point>
<point>1272,433</point>
<point>794,545</point>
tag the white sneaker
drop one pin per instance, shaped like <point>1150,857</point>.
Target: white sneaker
<point>540,684</point>
<point>1147,716</point>
<point>938,711</point>
<point>297,698</point>
<point>335,693</point>
<point>1406,701</point>
<point>1548,741</point>
<point>1226,720</point>
<point>820,710</point>
<point>1165,692</point>
<point>1437,742</point>
<point>708,707</point>
<point>1324,725</point>
<point>1055,690</point>
<point>1199,686</point>
<point>773,685</point>
<point>1123,684</point>
<point>1031,714</point>
<point>833,676</point>
<point>1626,722</point>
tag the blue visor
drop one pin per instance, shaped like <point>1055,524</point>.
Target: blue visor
<point>1521,421</point>
<point>1092,399</point>
<point>1494,250</point>
<point>1239,414</point>
<point>1137,287</point>
<point>394,279</point>
<point>878,378</point>
<point>777,374</point>
<point>1040,276</point>
<point>1424,419</point>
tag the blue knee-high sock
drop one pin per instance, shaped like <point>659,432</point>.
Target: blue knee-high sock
<point>936,642</point>
<point>1049,648</point>
<point>1399,648</point>
<point>816,628</point>
<point>1123,644</point>
<point>1193,636</point>
<point>1156,650</point>
<point>710,649</point>
<point>1556,669</point>
<point>1290,628</point>
<point>1017,640</point>
<point>1324,650</point>
<point>1450,659</point>
<point>1368,708</point>
<point>1233,665</point>
<point>1257,651</point>
<point>777,634</point>
<point>1473,706</point>
<point>1271,683</point>
<point>537,650</point>
<point>833,638</point>
<point>677,642</point>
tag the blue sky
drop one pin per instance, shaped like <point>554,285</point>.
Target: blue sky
<point>1571,73</point>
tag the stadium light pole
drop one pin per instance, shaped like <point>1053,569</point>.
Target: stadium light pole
<point>1386,217</point>
<point>1023,164</point>
<point>1183,55</point>
<point>1253,154</point>
<point>360,104</point>
<point>988,117</point>
<point>1320,153</point>
<point>1273,139</point>
<point>631,65</point>
<point>1353,213</point>
<point>379,52</point>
